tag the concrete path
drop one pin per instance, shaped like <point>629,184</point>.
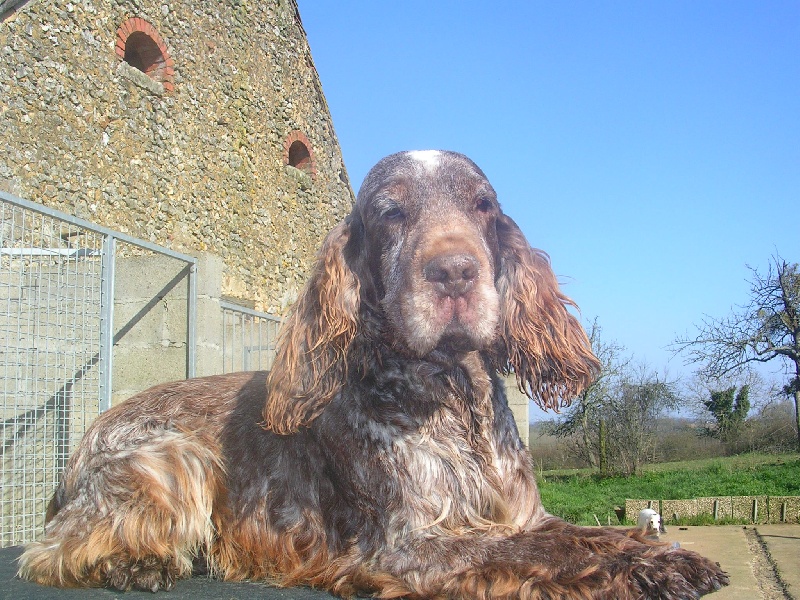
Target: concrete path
<point>726,545</point>
<point>762,561</point>
<point>729,547</point>
<point>783,546</point>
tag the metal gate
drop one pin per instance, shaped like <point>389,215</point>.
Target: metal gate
<point>248,338</point>
<point>56,339</point>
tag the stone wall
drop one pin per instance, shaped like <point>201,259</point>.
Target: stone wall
<point>753,509</point>
<point>192,155</point>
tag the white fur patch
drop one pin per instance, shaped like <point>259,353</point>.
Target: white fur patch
<point>429,158</point>
<point>649,522</point>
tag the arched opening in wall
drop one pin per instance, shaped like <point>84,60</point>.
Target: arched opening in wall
<point>297,153</point>
<point>299,156</point>
<point>140,46</point>
<point>142,52</point>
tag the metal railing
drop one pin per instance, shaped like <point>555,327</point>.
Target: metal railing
<point>248,338</point>
<point>57,281</point>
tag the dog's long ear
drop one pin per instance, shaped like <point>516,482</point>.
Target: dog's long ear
<point>542,343</point>
<point>311,363</point>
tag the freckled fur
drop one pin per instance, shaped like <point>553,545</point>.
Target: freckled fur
<point>379,457</point>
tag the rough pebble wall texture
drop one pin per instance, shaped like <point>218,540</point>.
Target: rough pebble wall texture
<point>196,163</point>
<point>784,509</point>
<point>754,509</point>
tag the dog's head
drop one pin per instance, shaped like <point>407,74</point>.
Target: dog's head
<point>428,264</point>
<point>427,223</point>
<point>649,522</point>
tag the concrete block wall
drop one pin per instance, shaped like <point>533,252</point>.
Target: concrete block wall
<point>518,402</point>
<point>209,324</point>
<point>151,321</point>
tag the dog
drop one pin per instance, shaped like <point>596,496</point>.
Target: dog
<point>379,455</point>
<point>649,523</point>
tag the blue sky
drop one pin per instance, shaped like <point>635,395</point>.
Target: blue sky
<point>651,148</point>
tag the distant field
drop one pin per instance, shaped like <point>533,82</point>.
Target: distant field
<point>577,496</point>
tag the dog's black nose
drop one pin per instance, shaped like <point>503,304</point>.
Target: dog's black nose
<point>453,274</point>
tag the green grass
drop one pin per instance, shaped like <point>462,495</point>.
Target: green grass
<point>578,496</point>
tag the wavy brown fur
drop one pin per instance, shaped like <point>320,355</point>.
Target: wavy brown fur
<point>380,457</point>
<point>312,347</point>
<point>545,346</point>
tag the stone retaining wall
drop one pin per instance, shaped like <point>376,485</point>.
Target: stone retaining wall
<point>755,509</point>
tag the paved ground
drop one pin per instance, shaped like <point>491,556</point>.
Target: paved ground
<point>752,556</point>
<point>762,561</point>
<point>783,544</point>
<point>729,547</point>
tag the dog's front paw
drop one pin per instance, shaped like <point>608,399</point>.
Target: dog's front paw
<point>675,574</point>
<point>150,574</point>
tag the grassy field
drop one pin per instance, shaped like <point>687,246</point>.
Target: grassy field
<point>577,495</point>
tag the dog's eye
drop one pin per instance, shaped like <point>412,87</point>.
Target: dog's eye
<point>484,205</point>
<point>395,213</point>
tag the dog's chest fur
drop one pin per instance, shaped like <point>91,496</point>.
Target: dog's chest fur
<point>432,432</point>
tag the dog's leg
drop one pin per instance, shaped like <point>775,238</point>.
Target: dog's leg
<point>130,515</point>
<point>559,561</point>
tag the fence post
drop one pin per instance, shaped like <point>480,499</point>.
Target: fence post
<point>191,315</point>
<point>106,321</point>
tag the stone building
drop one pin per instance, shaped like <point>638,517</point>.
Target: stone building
<point>200,126</point>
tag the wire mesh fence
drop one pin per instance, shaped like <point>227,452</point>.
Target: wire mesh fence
<point>50,287</point>
<point>63,284</point>
<point>56,347</point>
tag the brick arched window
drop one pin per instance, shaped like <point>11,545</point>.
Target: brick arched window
<point>297,152</point>
<point>141,46</point>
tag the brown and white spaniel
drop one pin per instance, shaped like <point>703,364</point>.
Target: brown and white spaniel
<point>379,456</point>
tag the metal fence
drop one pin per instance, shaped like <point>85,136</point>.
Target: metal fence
<point>248,338</point>
<point>57,277</point>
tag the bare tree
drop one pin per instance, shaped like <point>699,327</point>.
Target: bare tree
<point>640,399</point>
<point>766,329</point>
<point>612,425</point>
<point>584,423</point>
